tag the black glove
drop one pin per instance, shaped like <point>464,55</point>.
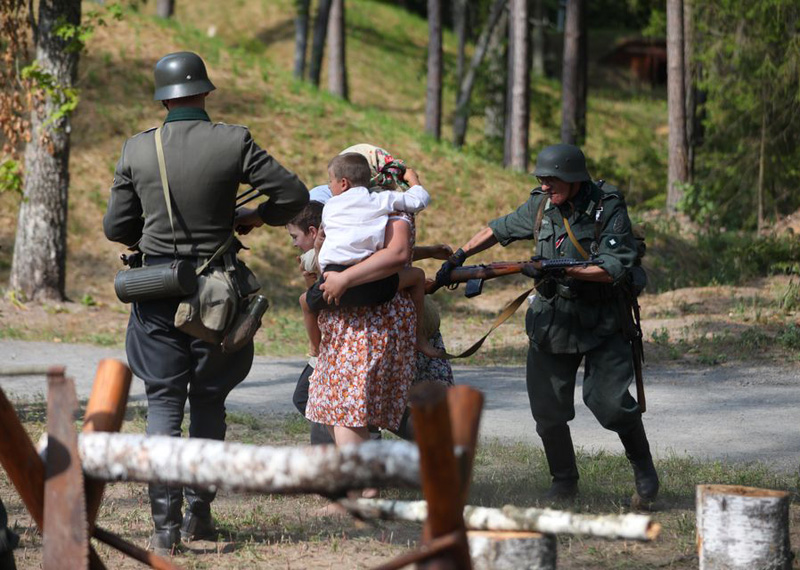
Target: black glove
<point>530,270</point>
<point>456,260</point>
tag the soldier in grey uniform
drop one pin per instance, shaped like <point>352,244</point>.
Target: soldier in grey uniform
<point>205,162</point>
<point>575,315</point>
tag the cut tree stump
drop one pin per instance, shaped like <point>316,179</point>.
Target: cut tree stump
<point>503,550</point>
<point>742,528</point>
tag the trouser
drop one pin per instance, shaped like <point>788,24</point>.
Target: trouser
<point>608,372</point>
<point>319,433</point>
<point>177,367</point>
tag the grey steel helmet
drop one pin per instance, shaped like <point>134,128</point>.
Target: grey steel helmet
<point>563,161</point>
<point>181,74</point>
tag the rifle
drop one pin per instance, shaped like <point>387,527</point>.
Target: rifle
<point>475,275</point>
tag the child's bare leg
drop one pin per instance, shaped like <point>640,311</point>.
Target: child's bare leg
<point>413,279</point>
<point>312,327</point>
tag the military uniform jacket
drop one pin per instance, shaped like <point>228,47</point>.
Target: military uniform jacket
<point>206,162</point>
<point>578,315</point>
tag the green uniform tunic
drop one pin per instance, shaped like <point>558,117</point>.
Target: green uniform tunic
<point>570,320</point>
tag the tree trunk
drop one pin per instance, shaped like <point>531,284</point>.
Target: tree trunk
<point>38,270</point>
<point>573,82</point>
<point>433,98</point>
<point>165,8</point>
<point>519,71</point>
<point>583,78</point>
<point>690,77</point>
<point>460,29</point>
<point>496,72</point>
<point>676,102</point>
<point>761,160</point>
<point>500,550</point>
<point>537,39</point>
<point>465,90</point>
<point>205,463</point>
<point>318,45</point>
<point>337,65</point>
<point>739,528</point>
<point>301,37</point>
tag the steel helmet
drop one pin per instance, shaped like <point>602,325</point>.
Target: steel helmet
<point>563,161</point>
<point>181,74</point>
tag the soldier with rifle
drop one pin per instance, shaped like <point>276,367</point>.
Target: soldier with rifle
<point>583,312</point>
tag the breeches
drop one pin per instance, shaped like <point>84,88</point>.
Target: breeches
<point>176,367</point>
<point>608,372</point>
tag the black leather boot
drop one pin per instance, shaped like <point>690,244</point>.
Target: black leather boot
<point>165,506</point>
<point>561,460</point>
<point>197,522</point>
<point>637,450</point>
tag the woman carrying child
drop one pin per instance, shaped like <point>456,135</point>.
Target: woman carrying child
<point>366,358</point>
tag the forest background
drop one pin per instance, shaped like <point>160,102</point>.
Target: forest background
<point>727,218</point>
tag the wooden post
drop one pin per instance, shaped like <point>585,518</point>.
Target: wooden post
<point>105,411</point>
<point>495,550</point>
<point>65,537</point>
<point>441,482</point>
<point>741,528</point>
<point>20,460</point>
<point>465,404</point>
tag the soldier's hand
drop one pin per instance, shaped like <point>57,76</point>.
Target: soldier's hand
<point>530,270</point>
<point>246,219</point>
<point>455,260</point>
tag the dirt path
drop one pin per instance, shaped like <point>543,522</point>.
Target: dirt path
<point>740,412</point>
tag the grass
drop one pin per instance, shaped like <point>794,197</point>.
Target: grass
<point>272,531</point>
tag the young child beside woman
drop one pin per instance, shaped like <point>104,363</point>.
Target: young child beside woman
<point>353,225</point>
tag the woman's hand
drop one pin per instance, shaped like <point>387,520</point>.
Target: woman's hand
<point>335,285</point>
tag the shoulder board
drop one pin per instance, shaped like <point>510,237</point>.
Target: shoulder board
<point>610,191</point>
<point>151,129</point>
<point>230,125</point>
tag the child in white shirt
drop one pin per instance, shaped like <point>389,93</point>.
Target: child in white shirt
<point>354,225</point>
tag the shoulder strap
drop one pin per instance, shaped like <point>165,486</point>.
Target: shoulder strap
<point>162,168</point>
<point>537,225</point>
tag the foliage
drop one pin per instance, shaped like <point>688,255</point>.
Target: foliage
<point>10,176</point>
<point>749,56</point>
<point>13,108</point>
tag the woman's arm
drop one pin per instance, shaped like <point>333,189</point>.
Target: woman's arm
<point>439,251</point>
<point>383,263</point>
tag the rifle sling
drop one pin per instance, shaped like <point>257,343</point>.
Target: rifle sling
<point>504,315</point>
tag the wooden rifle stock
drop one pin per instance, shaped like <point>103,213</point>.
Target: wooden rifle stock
<point>500,268</point>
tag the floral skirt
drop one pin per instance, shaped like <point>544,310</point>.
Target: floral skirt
<point>366,365</point>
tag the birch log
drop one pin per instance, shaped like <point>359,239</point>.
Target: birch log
<point>742,528</point>
<point>512,550</point>
<point>515,519</point>
<point>196,462</point>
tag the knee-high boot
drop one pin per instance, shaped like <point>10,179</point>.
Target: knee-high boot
<point>198,523</point>
<point>165,506</point>
<point>560,455</point>
<point>637,450</point>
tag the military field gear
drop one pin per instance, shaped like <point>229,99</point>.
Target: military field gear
<point>180,74</point>
<point>563,161</point>
<point>176,279</point>
<point>246,323</point>
<point>637,450</point>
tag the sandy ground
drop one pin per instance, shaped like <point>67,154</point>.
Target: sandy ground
<point>740,412</point>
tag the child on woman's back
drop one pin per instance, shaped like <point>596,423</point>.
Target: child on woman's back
<point>354,225</point>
